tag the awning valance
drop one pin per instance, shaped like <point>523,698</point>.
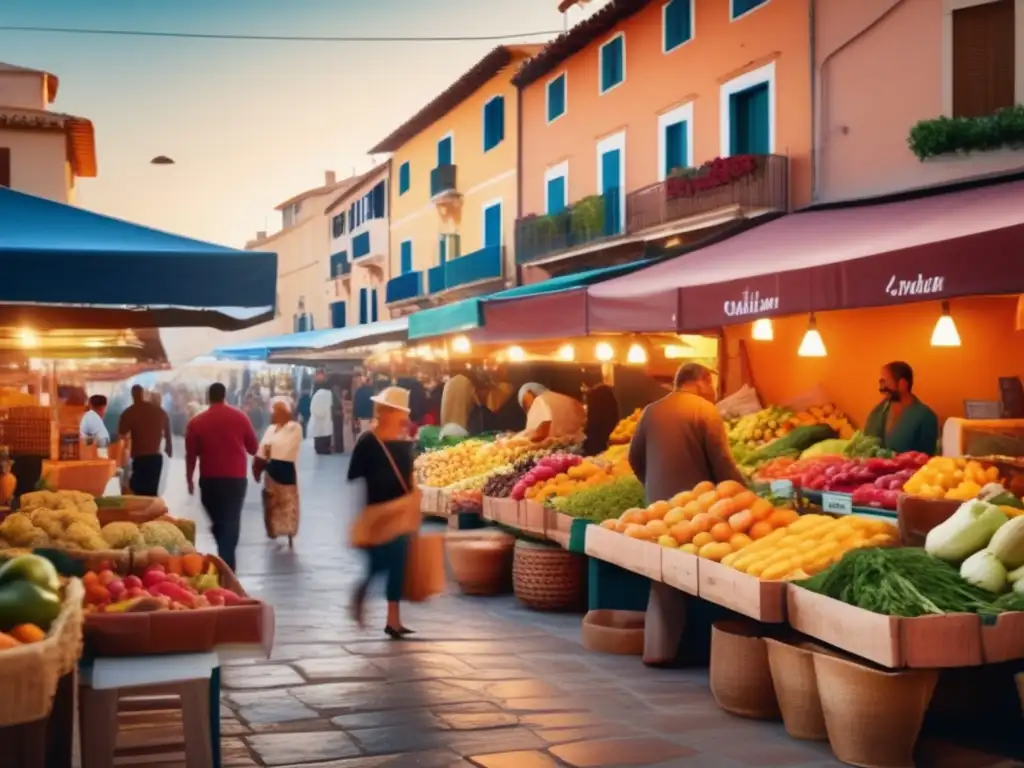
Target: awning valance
<point>314,341</point>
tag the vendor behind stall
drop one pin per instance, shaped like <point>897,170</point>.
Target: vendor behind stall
<point>602,416</point>
<point>457,402</point>
<point>901,421</point>
<point>550,414</point>
<point>92,427</point>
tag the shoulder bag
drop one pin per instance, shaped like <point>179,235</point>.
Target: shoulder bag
<point>380,523</point>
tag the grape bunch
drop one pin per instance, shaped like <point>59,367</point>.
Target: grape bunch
<point>499,485</point>
<point>525,464</point>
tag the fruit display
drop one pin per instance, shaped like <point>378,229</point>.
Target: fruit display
<point>476,459</point>
<point>614,453</point>
<point>546,471</point>
<point>30,599</point>
<point>943,477</point>
<point>465,501</point>
<point>76,528</point>
<point>624,430</point>
<point>757,429</point>
<point>500,483</point>
<point>576,476</point>
<point>602,502</point>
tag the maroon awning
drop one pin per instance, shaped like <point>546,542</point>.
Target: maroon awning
<point>946,245</point>
<point>542,317</point>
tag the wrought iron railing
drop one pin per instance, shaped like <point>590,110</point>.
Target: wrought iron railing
<point>404,287</point>
<point>585,221</point>
<point>442,179</point>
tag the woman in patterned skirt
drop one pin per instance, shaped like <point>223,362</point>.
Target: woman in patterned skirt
<point>280,450</point>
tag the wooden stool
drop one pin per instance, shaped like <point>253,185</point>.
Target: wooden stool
<point>116,691</point>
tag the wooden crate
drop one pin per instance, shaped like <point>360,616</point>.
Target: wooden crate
<point>506,512</point>
<point>761,600</point>
<point>642,557</point>
<point>680,570</point>
<point>533,517</point>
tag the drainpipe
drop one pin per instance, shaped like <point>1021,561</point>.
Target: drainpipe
<point>519,180</point>
<point>814,105</point>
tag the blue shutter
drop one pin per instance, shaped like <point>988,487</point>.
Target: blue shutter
<point>678,24</point>
<point>556,195</point>
<point>612,65</point>
<point>338,315</point>
<point>610,171</point>
<point>749,130</point>
<point>363,307</point>
<point>556,98</point>
<point>377,205</point>
<point>403,178</point>
<point>444,151</point>
<point>373,306</point>
<point>406,256</point>
<point>494,122</point>
<point>675,146</point>
<point>739,7</point>
<point>492,226</point>
<point>442,250</point>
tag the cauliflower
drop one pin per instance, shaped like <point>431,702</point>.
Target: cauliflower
<point>123,535</point>
<point>49,521</point>
<point>78,516</point>
<point>36,499</point>
<point>82,536</point>
<point>160,533</point>
<point>19,531</point>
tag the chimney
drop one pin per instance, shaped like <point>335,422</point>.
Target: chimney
<point>329,178</point>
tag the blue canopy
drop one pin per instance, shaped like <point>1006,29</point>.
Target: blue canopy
<point>313,341</point>
<point>466,315</point>
<point>55,254</point>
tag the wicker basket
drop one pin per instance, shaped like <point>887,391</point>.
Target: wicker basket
<point>740,677</point>
<point>796,688</point>
<point>873,716</point>
<point>29,674</point>
<point>480,561</point>
<point>547,578</point>
<point>133,509</point>
<point>619,632</point>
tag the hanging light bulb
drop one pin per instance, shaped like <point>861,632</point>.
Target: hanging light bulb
<point>762,330</point>
<point>604,352</point>
<point>637,355</point>
<point>461,345</point>
<point>812,344</point>
<point>516,354</point>
<point>567,353</point>
<point>28,337</point>
<point>945,333</point>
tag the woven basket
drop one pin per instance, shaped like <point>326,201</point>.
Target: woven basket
<point>873,716</point>
<point>619,632</point>
<point>480,562</point>
<point>29,673</point>
<point>740,677</point>
<point>547,578</point>
<point>796,688</point>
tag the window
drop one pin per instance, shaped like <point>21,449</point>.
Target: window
<point>373,305</point>
<point>983,58</point>
<point>677,23</point>
<point>492,224</point>
<point>494,122</point>
<point>675,140</point>
<point>747,118</point>
<point>611,181</point>
<point>378,197</point>
<point>338,225</point>
<point>556,97</point>
<point>364,306</point>
<point>613,62</point>
<point>5,167</point>
<point>738,8</point>
<point>406,257</point>
<point>403,178</point>
<point>556,188</point>
<point>338,315</point>
<point>339,264</point>
<point>445,152</point>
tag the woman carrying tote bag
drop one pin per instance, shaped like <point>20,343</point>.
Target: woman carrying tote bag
<point>391,518</point>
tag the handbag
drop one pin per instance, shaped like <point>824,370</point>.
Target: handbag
<point>384,522</point>
<point>424,568</point>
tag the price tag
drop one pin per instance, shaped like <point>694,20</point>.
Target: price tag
<point>837,504</point>
<point>782,488</point>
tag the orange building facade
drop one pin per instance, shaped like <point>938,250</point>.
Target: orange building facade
<point>623,115</point>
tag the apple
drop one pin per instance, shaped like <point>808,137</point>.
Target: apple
<point>133,582</point>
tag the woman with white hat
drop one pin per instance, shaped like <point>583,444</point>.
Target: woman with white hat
<point>383,458</point>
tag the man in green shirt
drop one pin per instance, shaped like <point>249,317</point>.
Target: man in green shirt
<point>901,421</point>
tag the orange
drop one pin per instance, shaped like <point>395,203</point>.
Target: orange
<point>701,539</point>
<point>620,527</point>
<point>27,633</point>
<point>656,528</point>
<point>759,530</point>
<point>682,499</point>
<point>761,508</point>
<point>673,516</point>
<point>609,524</point>
<point>780,518</point>
<point>706,500</point>
<point>744,499</point>
<point>683,532</point>
<point>635,531</point>
<point>721,531</point>
<point>691,510</point>
<point>6,641</point>
<point>703,522</point>
<point>741,521</point>
<point>728,488</point>
<point>702,487</point>
<point>90,578</point>
<point>722,508</point>
<point>740,540</point>
<point>634,516</point>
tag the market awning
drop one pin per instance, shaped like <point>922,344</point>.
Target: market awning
<point>64,266</point>
<point>315,341</point>
<point>470,314</point>
<point>931,247</point>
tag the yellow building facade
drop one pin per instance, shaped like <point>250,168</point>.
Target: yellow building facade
<point>454,188</point>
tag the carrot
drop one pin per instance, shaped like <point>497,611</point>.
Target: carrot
<point>27,633</point>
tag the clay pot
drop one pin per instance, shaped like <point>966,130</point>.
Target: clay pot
<point>620,632</point>
<point>481,563</point>
<point>740,677</point>
<point>873,716</point>
<point>796,688</point>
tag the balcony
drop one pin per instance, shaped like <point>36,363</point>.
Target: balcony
<point>588,220</point>
<point>404,288</point>
<point>486,264</point>
<point>340,265</point>
<point>751,182</point>
<point>360,245</point>
<point>442,181</point>
<point>435,279</point>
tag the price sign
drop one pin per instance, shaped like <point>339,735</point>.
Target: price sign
<point>782,488</point>
<point>836,503</point>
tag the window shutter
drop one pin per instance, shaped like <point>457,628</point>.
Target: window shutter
<point>5,167</point>
<point>373,305</point>
<point>362,306</point>
<point>983,58</point>
<point>556,195</point>
<point>675,147</point>
<point>406,257</point>
<point>677,23</point>
<point>499,119</point>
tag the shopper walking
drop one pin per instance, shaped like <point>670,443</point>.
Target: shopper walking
<point>279,452</point>
<point>321,419</point>
<point>220,439</point>
<point>145,424</point>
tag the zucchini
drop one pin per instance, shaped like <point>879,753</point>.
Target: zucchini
<point>799,440</point>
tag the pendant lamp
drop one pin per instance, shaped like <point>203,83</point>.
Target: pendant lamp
<point>945,333</point>
<point>812,344</point>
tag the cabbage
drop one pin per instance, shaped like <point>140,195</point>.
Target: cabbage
<point>834,447</point>
<point>983,569</point>
<point>967,531</point>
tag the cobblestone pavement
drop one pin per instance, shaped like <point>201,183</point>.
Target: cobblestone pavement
<point>485,683</point>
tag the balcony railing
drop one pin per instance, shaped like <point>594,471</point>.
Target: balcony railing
<point>340,266</point>
<point>486,264</point>
<point>442,180</point>
<point>360,245</point>
<point>749,181</point>
<point>585,221</point>
<point>404,287</point>
<point>435,279</point>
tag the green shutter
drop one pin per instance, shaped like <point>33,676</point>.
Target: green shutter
<point>403,178</point>
<point>556,98</point>
<point>676,149</point>
<point>612,65</point>
<point>739,7</point>
<point>678,24</point>
<point>749,121</point>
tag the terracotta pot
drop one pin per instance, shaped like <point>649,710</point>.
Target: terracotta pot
<point>481,564</point>
<point>796,688</point>
<point>873,717</point>
<point>620,632</point>
<point>740,677</point>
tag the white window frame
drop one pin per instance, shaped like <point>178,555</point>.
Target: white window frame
<point>564,75</point>
<point>608,143</point>
<point>765,74</point>
<point>664,25</point>
<point>732,10</point>
<point>682,113</point>
<point>483,125</point>
<point>948,6</point>
<point>488,204</point>
<point>449,135</point>
<point>560,171</point>
<point>600,63</point>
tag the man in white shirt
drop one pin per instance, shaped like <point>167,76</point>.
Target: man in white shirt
<point>92,427</point>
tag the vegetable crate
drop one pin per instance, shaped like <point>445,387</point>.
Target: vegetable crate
<point>430,500</point>
<point>634,555</point>
<point>532,518</point>
<point>747,595</point>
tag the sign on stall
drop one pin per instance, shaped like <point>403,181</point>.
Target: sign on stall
<point>837,503</point>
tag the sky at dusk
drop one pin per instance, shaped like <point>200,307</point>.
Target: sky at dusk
<point>249,123</point>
